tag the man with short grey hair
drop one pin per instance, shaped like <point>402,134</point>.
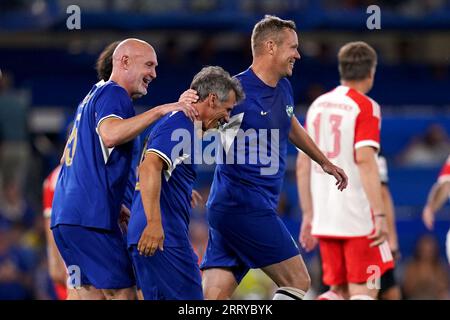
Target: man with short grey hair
<point>97,160</point>
<point>163,258</point>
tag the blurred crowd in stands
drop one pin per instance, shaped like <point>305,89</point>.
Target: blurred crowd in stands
<point>36,77</point>
<point>408,7</point>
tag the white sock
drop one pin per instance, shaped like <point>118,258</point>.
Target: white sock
<point>361,297</point>
<point>288,293</point>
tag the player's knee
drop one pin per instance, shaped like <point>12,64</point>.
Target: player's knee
<point>128,294</point>
<point>90,293</point>
<point>218,284</point>
<point>216,293</point>
<point>120,294</point>
<point>300,281</point>
<point>361,292</point>
<point>304,282</point>
<point>217,290</point>
<point>72,294</point>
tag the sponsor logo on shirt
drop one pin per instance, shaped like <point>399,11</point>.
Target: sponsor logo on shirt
<point>290,110</point>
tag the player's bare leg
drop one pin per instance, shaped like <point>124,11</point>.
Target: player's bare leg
<point>292,278</point>
<point>72,294</point>
<point>90,293</point>
<point>120,294</point>
<point>139,294</point>
<point>218,284</point>
<point>360,291</point>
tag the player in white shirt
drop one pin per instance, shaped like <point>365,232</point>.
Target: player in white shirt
<point>439,194</point>
<point>350,226</point>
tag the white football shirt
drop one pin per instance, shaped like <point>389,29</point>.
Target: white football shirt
<point>340,122</point>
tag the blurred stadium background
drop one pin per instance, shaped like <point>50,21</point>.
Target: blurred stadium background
<point>47,69</point>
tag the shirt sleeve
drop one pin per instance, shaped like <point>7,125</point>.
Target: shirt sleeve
<point>444,175</point>
<point>172,141</point>
<point>367,129</point>
<point>113,102</point>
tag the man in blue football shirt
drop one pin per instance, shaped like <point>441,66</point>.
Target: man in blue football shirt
<point>245,231</point>
<point>164,261</point>
<point>93,178</point>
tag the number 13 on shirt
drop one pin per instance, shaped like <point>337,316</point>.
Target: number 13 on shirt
<point>332,124</point>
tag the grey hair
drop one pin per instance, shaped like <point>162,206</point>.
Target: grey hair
<point>214,79</point>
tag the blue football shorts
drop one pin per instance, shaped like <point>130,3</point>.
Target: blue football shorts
<point>243,241</point>
<point>100,256</point>
<point>172,274</point>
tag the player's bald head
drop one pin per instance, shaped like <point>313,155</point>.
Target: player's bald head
<point>130,48</point>
<point>134,66</point>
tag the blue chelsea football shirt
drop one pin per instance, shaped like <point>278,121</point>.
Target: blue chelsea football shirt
<point>172,138</point>
<point>93,178</point>
<point>251,177</point>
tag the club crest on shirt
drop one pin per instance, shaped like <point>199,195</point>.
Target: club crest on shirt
<point>289,110</point>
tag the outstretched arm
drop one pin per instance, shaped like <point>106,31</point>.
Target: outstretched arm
<point>116,131</point>
<point>300,138</point>
<point>439,193</point>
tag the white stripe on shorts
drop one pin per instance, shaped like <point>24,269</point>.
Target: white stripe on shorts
<point>385,252</point>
